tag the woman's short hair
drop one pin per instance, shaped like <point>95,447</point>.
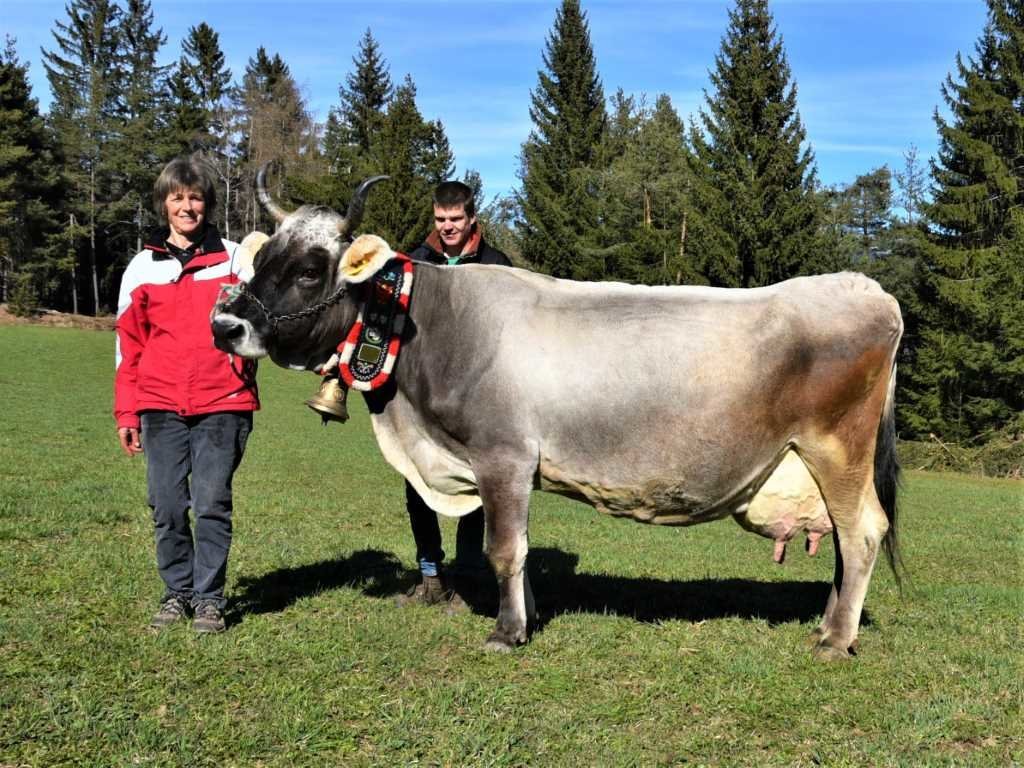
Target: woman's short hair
<point>451,194</point>
<point>186,172</point>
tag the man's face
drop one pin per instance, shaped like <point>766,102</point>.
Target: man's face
<point>454,226</point>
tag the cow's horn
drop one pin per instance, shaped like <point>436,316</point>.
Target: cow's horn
<point>355,208</point>
<point>278,213</point>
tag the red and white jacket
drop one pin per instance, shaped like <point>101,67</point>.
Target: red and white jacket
<point>165,356</point>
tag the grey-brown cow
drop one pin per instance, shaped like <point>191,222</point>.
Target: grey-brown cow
<point>667,405</point>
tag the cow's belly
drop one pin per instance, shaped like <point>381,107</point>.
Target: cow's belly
<point>656,500</point>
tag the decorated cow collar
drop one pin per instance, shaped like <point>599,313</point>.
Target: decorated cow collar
<point>367,355</point>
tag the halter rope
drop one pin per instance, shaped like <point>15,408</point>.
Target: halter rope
<point>242,289</point>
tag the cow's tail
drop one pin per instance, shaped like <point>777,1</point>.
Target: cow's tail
<point>887,478</point>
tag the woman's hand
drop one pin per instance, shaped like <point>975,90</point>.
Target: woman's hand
<point>130,440</point>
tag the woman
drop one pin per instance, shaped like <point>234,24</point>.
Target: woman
<point>188,403</point>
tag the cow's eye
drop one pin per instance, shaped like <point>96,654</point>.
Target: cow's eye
<point>309,276</point>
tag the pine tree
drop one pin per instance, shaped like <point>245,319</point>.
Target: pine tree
<point>755,214</point>
<point>969,376</point>
<point>401,212</point>
<point>29,191</point>
<point>472,179</point>
<point>204,112</point>
<point>856,223</point>
<point>209,75</point>
<point>85,72</point>
<point>559,159</point>
<point>624,120</point>
<point>186,122</point>
<point>141,146</point>
<point>644,211</point>
<point>274,125</point>
<point>911,183</point>
<point>870,206</point>
<point>355,124</point>
<point>362,103</point>
<point>437,158</point>
<point>496,218</point>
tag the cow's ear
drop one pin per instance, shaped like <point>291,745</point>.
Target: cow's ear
<point>366,255</point>
<point>249,247</point>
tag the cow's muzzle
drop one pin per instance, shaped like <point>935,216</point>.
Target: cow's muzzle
<point>236,335</point>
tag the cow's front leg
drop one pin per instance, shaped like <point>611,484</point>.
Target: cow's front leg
<point>505,492</point>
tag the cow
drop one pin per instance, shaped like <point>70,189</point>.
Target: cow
<point>667,405</point>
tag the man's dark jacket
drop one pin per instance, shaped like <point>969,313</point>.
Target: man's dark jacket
<point>430,251</point>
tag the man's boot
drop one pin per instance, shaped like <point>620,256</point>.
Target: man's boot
<point>432,591</point>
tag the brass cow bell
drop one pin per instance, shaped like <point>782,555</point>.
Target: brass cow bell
<point>329,401</point>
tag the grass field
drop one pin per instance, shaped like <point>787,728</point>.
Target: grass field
<point>657,646</point>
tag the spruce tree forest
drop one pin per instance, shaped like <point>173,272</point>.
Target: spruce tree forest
<point>614,186</point>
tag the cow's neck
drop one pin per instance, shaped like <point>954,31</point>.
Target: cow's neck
<point>417,412</point>
<point>431,321</point>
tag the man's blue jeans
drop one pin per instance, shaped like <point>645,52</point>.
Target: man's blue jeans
<point>209,448</point>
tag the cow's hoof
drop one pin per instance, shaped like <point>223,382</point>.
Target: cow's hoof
<point>815,637</point>
<point>503,642</point>
<point>827,653</point>
<point>498,643</point>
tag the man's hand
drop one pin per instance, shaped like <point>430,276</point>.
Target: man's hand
<point>130,440</point>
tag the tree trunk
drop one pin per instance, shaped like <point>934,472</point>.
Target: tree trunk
<point>227,198</point>
<point>92,241</point>
<point>74,271</point>
<point>5,273</point>
<point>682,238</point>
<point>682,249</point>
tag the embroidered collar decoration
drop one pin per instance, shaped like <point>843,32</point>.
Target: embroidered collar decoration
<point>367,355</point>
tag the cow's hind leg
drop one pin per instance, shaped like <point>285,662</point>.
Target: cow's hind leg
<point>860,524</point>
<point>830,606</point>
<point>506,497</point>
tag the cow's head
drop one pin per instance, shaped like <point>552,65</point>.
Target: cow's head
<point>298,303</point>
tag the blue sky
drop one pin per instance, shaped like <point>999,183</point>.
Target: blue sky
<point>868,73</point>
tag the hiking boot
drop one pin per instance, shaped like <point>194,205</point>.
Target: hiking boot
<point>432,591</point>
<point>208,619</point>
<point>172,609</point>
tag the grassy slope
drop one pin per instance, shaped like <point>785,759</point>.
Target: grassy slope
<point>658,646</point>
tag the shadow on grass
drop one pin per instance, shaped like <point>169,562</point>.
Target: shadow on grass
<point>558,589</point>
<point>375,572</point>
<point>557,586</point>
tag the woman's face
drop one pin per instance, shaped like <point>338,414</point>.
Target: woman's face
<point>185,212</point>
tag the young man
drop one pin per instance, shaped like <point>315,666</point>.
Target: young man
<point>456,239</point>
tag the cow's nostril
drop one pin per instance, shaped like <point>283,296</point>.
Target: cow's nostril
<point>228,328</point>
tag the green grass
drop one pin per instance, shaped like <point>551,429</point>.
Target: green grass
<point>658,646</point>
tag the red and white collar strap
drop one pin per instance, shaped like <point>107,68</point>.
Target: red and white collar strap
<point>367,356</point>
